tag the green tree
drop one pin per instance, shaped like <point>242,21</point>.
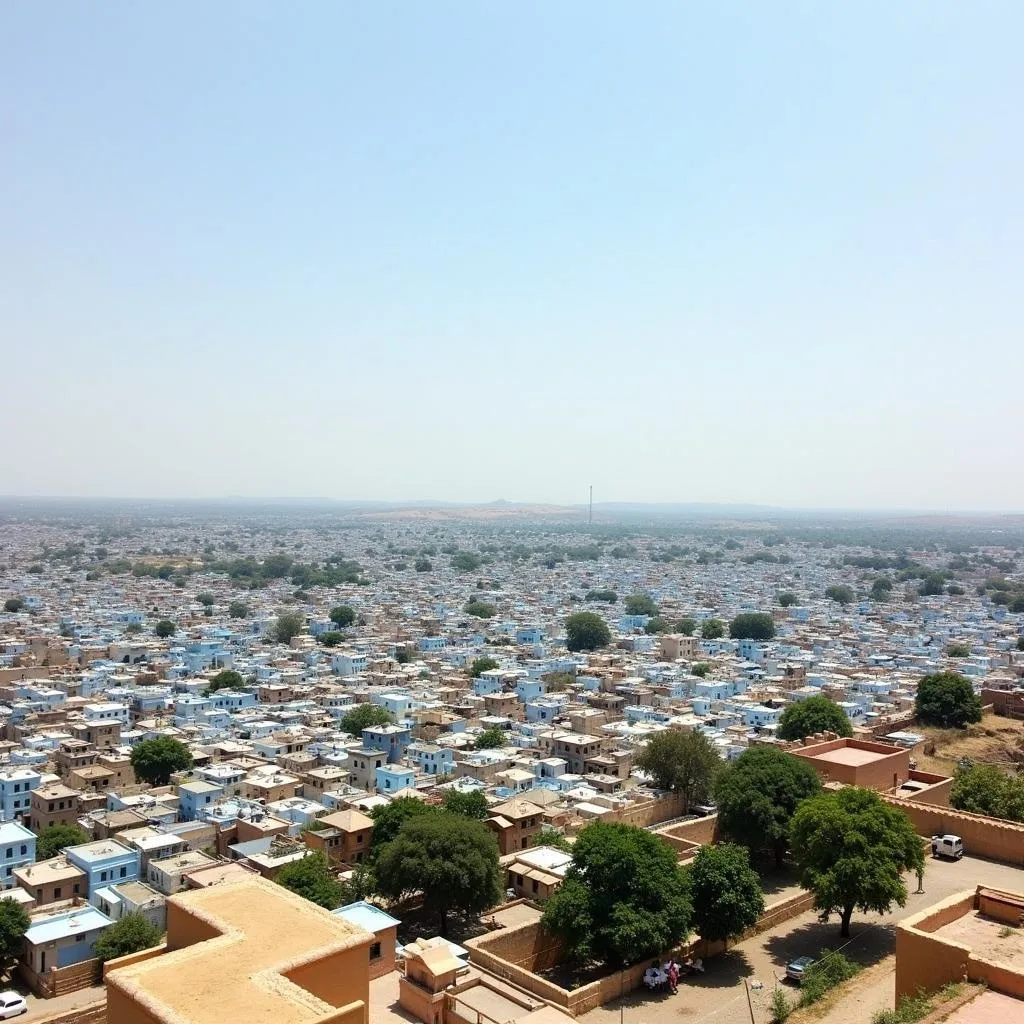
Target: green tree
<point>481,665</point>
<point>712,629</point>
<point>364,716</point>
<point>757,795</point>
<point>403,655</point>
<point>388,819</point>
<point>55,838</point>
<point>881,588</point>
<point>815,714</point>
<point>601,596</point>
<point>686,626</point>
<point>700,669</point>
<point>331,638</point>
<point>641,604</point>
<point>851,849</point>
<point>238,609</point>
<point>1020,643</point>
<point>842,595</point>
<point>14,604</point>
<point>948,700</point>
<point>469,804</point>
<point>229,679</point>
<point>14,922</point>
<point>624,898</point>
<point>987,789</point>
<point>133,628</point>
<point>423,565</point>
<point>586,631</point>
<point>726,892</point>
<point>656,625</point>
<point>466,561</point>
<point>286,627</point>
<point>932,584</point>
<point>752,626</point>
<point>312,879</point>
<point>451,860</point>
<point>131,934</point>
<point>958,650</point>
<point>480,609</point>
<point>206,598</point>
<point>342,616</point>
<point>684,762</point>
<point>787,599</point>
<point>156,760</point>
<point>165,628</point>
<point>491,738</point>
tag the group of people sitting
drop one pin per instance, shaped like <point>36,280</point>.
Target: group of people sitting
<point>666,976</point>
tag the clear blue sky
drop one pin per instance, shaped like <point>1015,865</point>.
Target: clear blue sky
<point>685,252</point>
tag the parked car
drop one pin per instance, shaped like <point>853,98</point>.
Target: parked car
<point>12,1005</point>
<point>704,810</point>
<point>795,969</point>
<point>947,846</point>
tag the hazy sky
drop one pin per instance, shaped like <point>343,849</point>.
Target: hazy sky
<point>765,252</point>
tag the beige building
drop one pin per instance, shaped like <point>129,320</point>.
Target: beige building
<point>52,880</point>
<point>53,805</point>
<point>248,951</point>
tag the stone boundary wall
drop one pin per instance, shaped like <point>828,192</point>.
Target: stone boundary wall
<point>992,838</point>
<point>515,954</point>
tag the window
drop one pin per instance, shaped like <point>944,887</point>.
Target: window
<point>80,938</point>
<point>124,872</point>
<point>375,951</point>
<point>56,893</point>
<point>103,876</point>
<point>10,852</point>
<point>77,889</point>
<point>24,849</point>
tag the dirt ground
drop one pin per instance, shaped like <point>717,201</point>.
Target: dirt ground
<point>993,740</point>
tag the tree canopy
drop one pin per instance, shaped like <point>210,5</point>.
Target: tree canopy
<point>389,818</point>
<point>624,897</point>
<point>238,609</point>
<point>165,628</point>
<point>470,804</point>
<point>228,679</point>
<point>312,879</point>
<point>656,625</point>
<point>948,700</point>
<point>987,789</point>
<point>752,626</point>
<point>757,795</point>
<point>481,665</point>
<point>684,762</point>
<point>712,629</point>
<point>364,716</point>
<point>841,594</point>
<point>57,837</point>
<point>14,604</point>
<point>815,714</point>
<point>452,860</point>
<point>131,934</point>
<point>342,616</point>
<point>726,892</point>
<point>286,627</point>
<point>787,599</point>
<point>466,561</point>
<point>881,588</point>
<point>332,638</point>
<point>641,604</point>
<point>851,849</point>
<point>14,922</point>
<point>490,738</point>
<point>686,626</point>
<point>480,609</point>
<point>586,631</point>
<point>602,596</point>
<point>156,760</point>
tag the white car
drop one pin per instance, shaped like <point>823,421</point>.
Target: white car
<point>12,1005</point>
<point>947,846</point>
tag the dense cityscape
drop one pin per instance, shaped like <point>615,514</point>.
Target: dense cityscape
<point>440,725</point>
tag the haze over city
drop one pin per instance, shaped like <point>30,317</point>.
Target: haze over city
<point>738,253</point>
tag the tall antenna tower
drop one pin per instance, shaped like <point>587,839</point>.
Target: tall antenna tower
<point>590,513</point>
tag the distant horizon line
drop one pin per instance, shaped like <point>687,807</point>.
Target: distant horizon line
<point>436,503</point>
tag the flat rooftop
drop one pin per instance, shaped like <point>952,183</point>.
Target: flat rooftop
<point>262,931</point>
<point>849,755</point>
<point>984,937</point>
<point>988,1008</point>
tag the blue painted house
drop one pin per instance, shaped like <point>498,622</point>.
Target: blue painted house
<point>390,778</point>
<point>17,848</point>
<point>388,739</point>
<point>60,940</point>
<point>105,862</point>
<point>16,785</point>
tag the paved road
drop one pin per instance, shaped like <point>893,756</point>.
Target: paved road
<point>40,1008</point>
<point>720,997</point>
